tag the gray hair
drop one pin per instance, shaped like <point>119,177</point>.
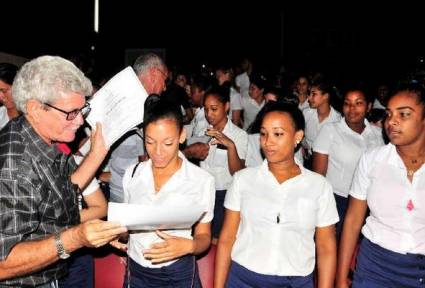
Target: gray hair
<point>45,79</point>
<point>147,61</point>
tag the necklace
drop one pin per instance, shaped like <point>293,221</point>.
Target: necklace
<point>411,163</point>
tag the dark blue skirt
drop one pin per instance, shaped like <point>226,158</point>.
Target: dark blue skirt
<point>240,277</point>
<point>182,273</point>
<point>379,267</point>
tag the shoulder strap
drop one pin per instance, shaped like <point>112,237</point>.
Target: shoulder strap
<point>134,169</point>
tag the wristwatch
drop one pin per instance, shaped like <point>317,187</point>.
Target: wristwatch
<point>59,247</point>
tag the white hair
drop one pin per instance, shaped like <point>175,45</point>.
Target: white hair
<point>46,79</point>
<point>147,61</point>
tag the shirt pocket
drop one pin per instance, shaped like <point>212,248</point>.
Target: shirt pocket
<point>307,211</point>
<point>220,158</point>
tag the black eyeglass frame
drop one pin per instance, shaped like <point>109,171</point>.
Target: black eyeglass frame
<point>71,115</point>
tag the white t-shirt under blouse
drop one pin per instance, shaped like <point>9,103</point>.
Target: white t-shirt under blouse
<point>278,221</point>
<point>344,148</point>
<point>381,180</point>
<point>189,185</point>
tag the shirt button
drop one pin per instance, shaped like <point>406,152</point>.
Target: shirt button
<point>421,280</point>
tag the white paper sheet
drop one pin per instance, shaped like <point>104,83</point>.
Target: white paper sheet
<point>148,217</point>
<point>118,105</point>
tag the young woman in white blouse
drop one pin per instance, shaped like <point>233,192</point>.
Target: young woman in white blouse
<point>166,258</point>
<point>390,181</point>
<point>321,96</point>
<point>279,215</point>
<point>226,150</point>
<point>339,145</point>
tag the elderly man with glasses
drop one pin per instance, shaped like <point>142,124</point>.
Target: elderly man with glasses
<point>40,221</point>
<point>152,73</point>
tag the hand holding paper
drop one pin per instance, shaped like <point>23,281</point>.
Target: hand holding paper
<point>118,105</point>
<point>148,217</point>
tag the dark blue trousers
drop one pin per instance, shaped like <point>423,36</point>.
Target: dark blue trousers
<point>80,270</point>
<point>218,219</point>
<point>180,274</point>
<point>240,277</point>
<point>381,268</point>
<point>341,206</point>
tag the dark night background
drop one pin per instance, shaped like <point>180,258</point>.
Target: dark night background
<point>346,41</point>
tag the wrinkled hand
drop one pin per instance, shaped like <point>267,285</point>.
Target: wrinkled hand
<point>98,145</point>
<point>96,233</point>
<point>172,248</point>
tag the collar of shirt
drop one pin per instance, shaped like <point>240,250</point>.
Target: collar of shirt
<point>181,175</point>
<point>368,129</point>
<point>229,127</point>
<point>41,148</point>
<point>394,159</point>
<point>264,169</point>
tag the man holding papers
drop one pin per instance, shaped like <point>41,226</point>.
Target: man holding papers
<point>152,73</point>
<point>166,258</point>
<point>40,221</point>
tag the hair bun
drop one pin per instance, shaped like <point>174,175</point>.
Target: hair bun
<point>151,101</point>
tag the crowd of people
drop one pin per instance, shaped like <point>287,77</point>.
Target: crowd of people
<point>287,178</point>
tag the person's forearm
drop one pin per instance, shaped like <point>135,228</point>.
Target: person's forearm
<point>201,243</point>
<point>345,252</point>
<point>326,263</point>
<point>93,212</point>
<point>87,169</point>
<point>187,152</point>
<point>222,262</point>
<point>235,163</point>
<point>29,256</point>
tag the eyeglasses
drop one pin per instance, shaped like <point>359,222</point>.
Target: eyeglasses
<point>162,72</point>
<point>74,113</point>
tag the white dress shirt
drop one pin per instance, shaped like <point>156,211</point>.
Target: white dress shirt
<point>303,106</point>
<point>189,185</point>
<point>250,110</point>
<point>312,125</point>
<point>278,221</point>
<point>242,81</point>
<point>235,100</point>
<point>216,162</point>
<point>381,180</point>
<point>197,128</point>
<point>344,148</point>
<point>378,105</point>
